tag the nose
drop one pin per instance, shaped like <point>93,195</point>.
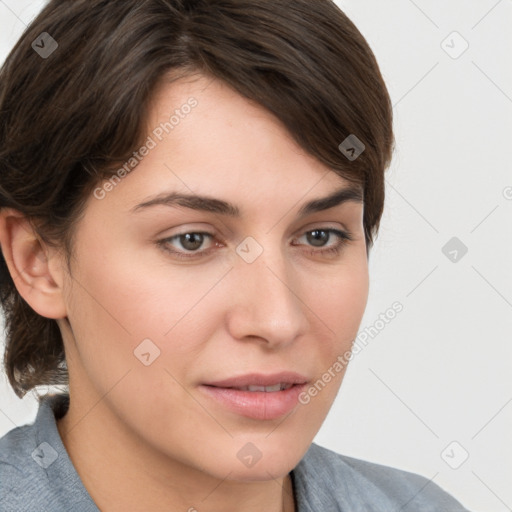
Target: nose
<point>266,302</point>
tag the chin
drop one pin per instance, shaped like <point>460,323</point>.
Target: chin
<point>265,457</point>
<point>259,472</point>
<point>252,458</point>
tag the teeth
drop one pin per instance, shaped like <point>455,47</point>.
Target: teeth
<point>266,389</point>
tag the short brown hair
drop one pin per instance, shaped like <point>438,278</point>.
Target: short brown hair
<point>67,118</point>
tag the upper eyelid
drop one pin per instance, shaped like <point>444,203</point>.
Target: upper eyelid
<point>312,227</point>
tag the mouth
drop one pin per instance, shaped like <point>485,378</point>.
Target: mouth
<point>282,386</point>
<point>261,380</point>
<point>257,396</point>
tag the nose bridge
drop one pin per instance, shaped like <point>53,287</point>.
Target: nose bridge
<point>267,302</point>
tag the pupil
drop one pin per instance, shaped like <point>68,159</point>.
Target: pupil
<point>194,239</point>
<point>314,238</point>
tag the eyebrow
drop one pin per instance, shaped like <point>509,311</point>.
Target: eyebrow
<point>213,205</point>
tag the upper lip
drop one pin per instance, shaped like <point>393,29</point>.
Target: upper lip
<point>260,379</point>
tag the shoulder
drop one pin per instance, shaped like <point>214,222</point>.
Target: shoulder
<point>326,478</point>
<point>15,448</point>
<point>18,474</point>
<point>36,474</point>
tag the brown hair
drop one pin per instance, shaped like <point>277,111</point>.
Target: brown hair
<point>67,118</point>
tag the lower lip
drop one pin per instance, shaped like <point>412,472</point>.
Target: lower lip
<point>258,405</point>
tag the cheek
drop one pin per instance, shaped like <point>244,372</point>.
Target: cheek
<point>143,293</point>
<point>341,300</point>
<point>122,300</point>
<point>339,308</point>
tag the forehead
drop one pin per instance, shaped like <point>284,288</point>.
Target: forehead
<point>225,147</point>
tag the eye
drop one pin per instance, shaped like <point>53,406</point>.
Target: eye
<point>192,241</point>
<point>318,238</point>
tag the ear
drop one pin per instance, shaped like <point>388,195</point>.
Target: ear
<point>36,269</point>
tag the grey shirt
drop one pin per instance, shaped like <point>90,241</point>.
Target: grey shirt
<point>37,475</point>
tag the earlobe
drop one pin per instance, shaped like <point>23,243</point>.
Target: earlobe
<point>27,258</point>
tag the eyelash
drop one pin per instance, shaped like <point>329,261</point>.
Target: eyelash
<point>344,238</point>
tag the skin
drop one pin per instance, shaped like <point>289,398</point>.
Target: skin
<point>145,437</point>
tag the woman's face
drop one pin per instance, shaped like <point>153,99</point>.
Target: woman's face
<point>155,316</point>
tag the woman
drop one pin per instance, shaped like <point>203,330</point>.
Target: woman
<point>189,193</point>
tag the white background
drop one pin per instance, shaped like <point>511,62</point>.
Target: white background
<point>440,370</point>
